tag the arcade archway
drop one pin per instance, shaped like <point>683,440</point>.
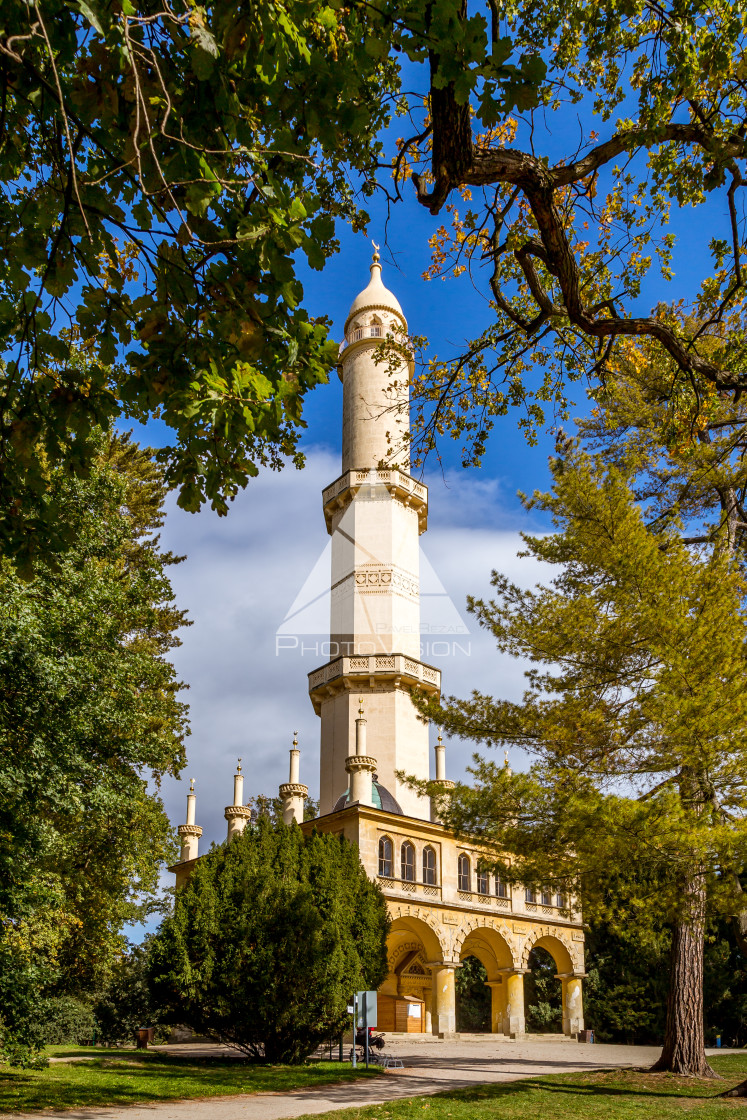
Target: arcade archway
<point>482,982</point>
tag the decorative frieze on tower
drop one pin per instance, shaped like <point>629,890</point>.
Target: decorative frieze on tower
<point>375,512</point>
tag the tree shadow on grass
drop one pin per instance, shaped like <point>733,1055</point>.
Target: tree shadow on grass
<point>603,1084</point>
<point>131,1078</point>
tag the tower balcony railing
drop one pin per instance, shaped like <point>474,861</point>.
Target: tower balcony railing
<point>345,671</point>
<point>402,486</point>
<point>376,331</point>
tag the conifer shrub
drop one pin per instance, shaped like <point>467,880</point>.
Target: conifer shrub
<point>268,941</point>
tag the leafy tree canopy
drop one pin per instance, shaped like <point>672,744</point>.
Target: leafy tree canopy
<point>566,144</point>
<point>89,724</point>
<point>161,166</point>
<point>269,939</point>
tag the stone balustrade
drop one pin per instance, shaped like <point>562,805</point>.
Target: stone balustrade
<point>402,486</point>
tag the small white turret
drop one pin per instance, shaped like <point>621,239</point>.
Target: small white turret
<point>190,832</point>
<point>441,782</point>
<point>237,814</point>
<point>360,766</point>
<point>293,793</point>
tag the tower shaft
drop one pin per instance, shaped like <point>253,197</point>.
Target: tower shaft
<point>374,512</point>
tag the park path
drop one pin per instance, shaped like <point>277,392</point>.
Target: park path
<point>432,1066</point>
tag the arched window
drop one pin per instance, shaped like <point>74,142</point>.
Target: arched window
<point>465,873</point>
<point>376,327</point>
<point>482,882</point>
<point>386,860</point>
<point>501,888</point>
<point>546,896</point>
<point>530,894</point>
<point>560,900</point>
<point>429,867</point>
<point>408,862</point>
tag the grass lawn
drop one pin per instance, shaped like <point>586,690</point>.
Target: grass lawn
<point>618,1095</point>
<point>136,1077</point>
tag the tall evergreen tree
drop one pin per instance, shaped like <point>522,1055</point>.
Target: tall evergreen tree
<point>638,687</point>
<point>269,940</point>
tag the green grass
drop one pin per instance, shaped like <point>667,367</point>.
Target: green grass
<point>136,1077</point>
<point>615,1095</point>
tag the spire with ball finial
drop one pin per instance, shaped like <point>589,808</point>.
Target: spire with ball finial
<point>190,832</point>
<point>293,793</point>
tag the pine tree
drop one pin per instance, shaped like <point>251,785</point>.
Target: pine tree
<point>269,940</point>
<point>635,713</point>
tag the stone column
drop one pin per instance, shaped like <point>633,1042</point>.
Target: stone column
<point>497,1005</point>
<point>514,1023</point>
<point>443,1015</point>
<point>428,1000</point>
<point>573,1005</point>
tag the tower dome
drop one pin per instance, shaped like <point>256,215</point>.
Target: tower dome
<point>375,295</point>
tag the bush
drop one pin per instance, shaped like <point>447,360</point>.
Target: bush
<point>269,940</point>
<point>66,1020</point>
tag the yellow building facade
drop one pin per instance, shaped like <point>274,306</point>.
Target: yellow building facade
<point>444,906</point>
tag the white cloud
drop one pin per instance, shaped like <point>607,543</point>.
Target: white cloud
<point>246,572</point>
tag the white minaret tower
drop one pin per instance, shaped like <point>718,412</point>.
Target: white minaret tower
<point>375,512</point>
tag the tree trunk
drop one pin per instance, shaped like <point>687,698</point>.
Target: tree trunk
<point>684,1038</point>
<point>451,154</point>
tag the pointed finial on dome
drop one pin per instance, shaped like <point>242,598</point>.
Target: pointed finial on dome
<point>238,768</point>
<point>505,759</point>
<point>376,257</point>
<point>360,709</point>
<point>191,785</point>
<point>440,736</point>
<point>295,740</point>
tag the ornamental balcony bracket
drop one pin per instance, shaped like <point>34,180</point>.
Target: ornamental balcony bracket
<point>235,812</point>
<point>402,487</point>
<point>348,674</point>
<point>293,789</point>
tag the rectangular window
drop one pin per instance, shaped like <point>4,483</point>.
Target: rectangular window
<point>482,882</point>
<point>501,888</point>
<point>530,895</point>
<point>546,897</point>
<point>560,901</point>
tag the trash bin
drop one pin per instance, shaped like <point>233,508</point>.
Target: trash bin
<point>585,1036</point>
<point>143,1036</point>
